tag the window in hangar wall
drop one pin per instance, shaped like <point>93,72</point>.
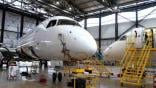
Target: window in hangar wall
<point>29,24</point>
<point>150,20</point>
<point>12,29</point>
<point>10,39</point>
<point>81,23</point>
<point>95,21</point>
<point>123,17</point>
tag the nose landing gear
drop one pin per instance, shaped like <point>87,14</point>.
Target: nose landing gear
<point>56,76</point>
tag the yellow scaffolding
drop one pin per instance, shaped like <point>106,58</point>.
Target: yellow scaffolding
<point>93,64</point>
<point>97,66</point>
<point>91,80</point>
<point>135,61</point>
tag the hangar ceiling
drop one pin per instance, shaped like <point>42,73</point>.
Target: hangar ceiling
<point>78,8</point>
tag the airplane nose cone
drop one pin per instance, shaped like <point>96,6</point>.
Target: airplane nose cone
<point>87,43</point>
<point>107,52</point>
<point>90,45</point>
<point>115,50</point>
<point>84,43</point>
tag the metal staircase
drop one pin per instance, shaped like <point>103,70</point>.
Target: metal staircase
<point>135,61</point>
<point>127,55</point>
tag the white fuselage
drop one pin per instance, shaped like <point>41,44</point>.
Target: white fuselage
<point>117,49</point>
<point>49,43</point>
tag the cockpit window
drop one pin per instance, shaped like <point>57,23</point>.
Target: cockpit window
<point>123,37</point>
<point>51,23</point>
<point>67,22</point>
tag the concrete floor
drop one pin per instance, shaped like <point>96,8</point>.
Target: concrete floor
<point>104,83</point>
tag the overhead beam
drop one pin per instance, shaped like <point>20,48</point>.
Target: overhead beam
<point>104,8</point>
<point>12,2</point>
<point>55,7</point>
<point>85,2</point>
<point>105,4</point>
<point>92,6</point>
<point>20,11</point>
<point>126,9</point>
<point>75,6</point>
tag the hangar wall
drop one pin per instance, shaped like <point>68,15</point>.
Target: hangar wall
<point>108,31</point>
<point>12,27</point>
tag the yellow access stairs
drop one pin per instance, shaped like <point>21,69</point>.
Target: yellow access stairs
<point>134,64</point>
<point>127,55</point>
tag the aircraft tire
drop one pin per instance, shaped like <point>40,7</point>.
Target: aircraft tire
<point>54,76</point>
<point>59,76</point>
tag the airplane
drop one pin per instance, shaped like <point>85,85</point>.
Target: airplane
<point>55,37</point>
<point>115,51</point>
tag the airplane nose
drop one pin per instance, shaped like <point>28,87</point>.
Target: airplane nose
<point>83,42</point>
<point>107,52</point>
<point>115,50</point>
<point>90,45</point>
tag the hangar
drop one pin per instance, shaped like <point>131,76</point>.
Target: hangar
<point>42,40</point>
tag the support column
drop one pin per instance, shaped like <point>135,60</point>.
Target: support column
<point>21,25</point>
<point>3,25</point>
<point>45,64</point>
<point>137,22</point>
<point>40,64</point>
<point>116,26</point>
<point>85,23</point>
<point>37,21</point>
<point>1,64</point>
<point>100,32</point>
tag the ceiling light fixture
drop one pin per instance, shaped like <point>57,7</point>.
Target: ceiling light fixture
<point>57,3</point>
<point>70,8</point>
<point>103,0</point>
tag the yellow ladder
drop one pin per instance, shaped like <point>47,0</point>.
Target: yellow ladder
<point>134,69</point>
<point>127,55</point>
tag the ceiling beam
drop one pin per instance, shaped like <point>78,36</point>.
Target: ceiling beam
<point>88,7</point>
<point>12,2</point>
<point>127,9</point>
<point>10,8</point>
<point>105,4</point>
<point>84,2</point>
<point>75,6</point>
<point>126,3</point>
<point>40,2</point>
